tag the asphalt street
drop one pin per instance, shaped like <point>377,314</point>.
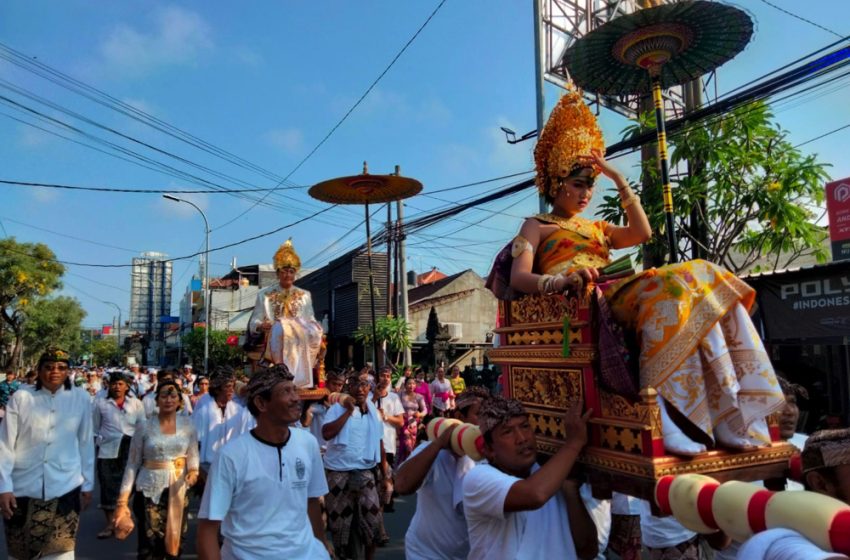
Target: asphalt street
<point>92,520</point>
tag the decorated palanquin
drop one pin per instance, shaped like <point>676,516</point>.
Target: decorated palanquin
<point>254,353</point>
<point>625,451</point>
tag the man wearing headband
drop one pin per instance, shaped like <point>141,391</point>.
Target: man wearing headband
<point>433,471</point>
<point>46,462</point>
<point>354,433</point>
<point>265,485</point>
<point>314,418</point>
<point>513,505</point>
<point>218,419</point>
<point>826,463</point>
<point>115,419</point>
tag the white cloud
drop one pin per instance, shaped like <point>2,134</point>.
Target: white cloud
<point>30,137</point>
<point>176,37</point>
<point>288,140</point>
<point>183,210</point>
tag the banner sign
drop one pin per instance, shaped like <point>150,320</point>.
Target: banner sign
<point>838,207</point>
<point>812,304</point>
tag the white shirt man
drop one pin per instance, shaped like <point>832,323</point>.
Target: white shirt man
<point>391,410</point>
<point>216,426</point>
<point>264,486</point>
<point>111,423</point>
<point>438,528</point>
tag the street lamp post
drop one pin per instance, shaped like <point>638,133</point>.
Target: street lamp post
<point>119,320</point>
<point>206,279</point>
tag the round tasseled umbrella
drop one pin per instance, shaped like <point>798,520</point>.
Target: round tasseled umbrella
<point>366,189</point>
<point>654,49</point>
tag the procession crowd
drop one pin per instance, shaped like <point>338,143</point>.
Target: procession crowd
<point>277,478</point>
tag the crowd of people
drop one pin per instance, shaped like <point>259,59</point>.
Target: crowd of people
<point>278,478</point>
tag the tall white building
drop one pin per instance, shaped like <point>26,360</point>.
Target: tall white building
<point>150,295</point>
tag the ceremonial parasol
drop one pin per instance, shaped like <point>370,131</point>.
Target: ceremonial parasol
<point>657,48</point>
<point>367,189</point>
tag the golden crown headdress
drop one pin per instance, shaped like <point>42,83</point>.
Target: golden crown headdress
<point>286,257</point>
<point>570,134</point>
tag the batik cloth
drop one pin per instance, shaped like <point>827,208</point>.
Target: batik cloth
<point>110,473</point>
<point>152,518</point>
<point>698,346</point>
<point>353,505</point>
<point>625,536</point>
<point>688,550</point>
<point>42,527</point>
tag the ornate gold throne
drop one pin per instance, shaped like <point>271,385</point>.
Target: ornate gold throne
<point>625,451</point>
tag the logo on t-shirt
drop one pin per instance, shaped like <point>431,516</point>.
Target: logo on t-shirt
<point>300,469</point>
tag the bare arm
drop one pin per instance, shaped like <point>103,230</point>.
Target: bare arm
<point>582,527</point>
<point>637,231</point>
<point>411,474</point>
<point>332,429</point>
<point>522,278</point>
<point>533,492</point>
<point>208,540</point>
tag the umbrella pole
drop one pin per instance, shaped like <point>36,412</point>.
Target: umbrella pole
<point>371,289</point>
<point>665,173</point>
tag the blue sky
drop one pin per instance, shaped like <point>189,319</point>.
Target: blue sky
<point>267,81</point>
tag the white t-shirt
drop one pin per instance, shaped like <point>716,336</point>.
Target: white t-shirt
<point>661,532</point>
<point>357,445</point>
<point>600,513</point>
<point>438,528</point>
<point>391,405</point>
<point>259,492</point>
<point>521,535</point>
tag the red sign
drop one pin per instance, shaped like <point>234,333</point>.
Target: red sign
<point>838,207</point>
<point>233,340</point>
<point>107,329</point>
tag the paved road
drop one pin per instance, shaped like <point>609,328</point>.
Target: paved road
<point>90,548</point>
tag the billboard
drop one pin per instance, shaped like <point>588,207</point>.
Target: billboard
<point>810,304</point>
<point>838,207</point>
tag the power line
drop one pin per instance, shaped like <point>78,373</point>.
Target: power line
<point>351,110</point>
<point>134,251</point>
<point>131,190</point>
<point>229,245</point>
<point>801,18</point>
<point>839,129</point>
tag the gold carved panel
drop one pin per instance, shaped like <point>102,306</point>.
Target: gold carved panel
<point>615,406</point>
<point>616,438</point>
<point>548,387</point>
<point>540,308</point>
<point>547,424</point>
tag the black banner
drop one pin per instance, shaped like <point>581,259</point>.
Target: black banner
<point>811,304</point>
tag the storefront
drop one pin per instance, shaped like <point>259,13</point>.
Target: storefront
<point>804,317</point>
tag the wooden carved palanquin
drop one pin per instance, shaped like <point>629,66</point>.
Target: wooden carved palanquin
<point>625,451</point>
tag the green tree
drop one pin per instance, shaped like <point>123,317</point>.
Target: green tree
<point>393,330</point>
<point>52,322</point>
<point>758,198</point>
<point>105,351</point>
<point>220,352</point>
<point>28,271</point>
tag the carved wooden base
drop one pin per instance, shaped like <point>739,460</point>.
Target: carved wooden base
<point>625,452</point>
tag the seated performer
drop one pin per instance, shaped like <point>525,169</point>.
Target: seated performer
<point>698,347</point>
<point>517,509</point>
<point>285,313</point>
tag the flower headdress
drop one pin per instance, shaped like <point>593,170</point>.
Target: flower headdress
<point>286,257</point>
<point>570,134</point>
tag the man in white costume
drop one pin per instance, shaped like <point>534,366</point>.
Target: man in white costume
<point>285,313</point>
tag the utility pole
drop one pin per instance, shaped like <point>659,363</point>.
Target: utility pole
<point>402,274</point>
<point>699,230</point>
<point>538,78</point>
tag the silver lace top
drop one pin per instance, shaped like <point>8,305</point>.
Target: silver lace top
<point>150,444</point>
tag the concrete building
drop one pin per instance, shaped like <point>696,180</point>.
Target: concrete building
<point>150,300</point>
<point>464,305</point>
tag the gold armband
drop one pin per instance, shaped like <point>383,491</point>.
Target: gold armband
<point>520,245</point>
